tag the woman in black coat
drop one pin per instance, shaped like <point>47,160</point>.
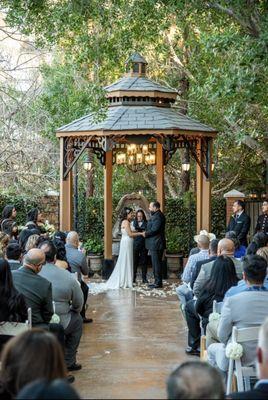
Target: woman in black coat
<point>223,276</point>
<point>8,222</point>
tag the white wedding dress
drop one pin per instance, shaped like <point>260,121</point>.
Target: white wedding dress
<point>122,276</point>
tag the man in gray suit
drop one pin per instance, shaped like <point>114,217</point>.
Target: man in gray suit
<point>78,263</point>
<point>225,248</point>
<point>14,256</point>
<point>68,298</point>
<point>36,289</point>
<point>244,310</point>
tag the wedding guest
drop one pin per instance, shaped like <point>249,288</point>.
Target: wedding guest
<point>43,389</point>
<point>259,240</point>
<point>195,380</point>
<point>243,310</point>
<point>36,289</point>
<point>223,276</point>
<point>61,236</point>
<point>184,291</point>
<point>239,222</point>
<point>32,242</point>
<point>35,354</point>
<point>213,251</point>
<point>211,237</point>
<point>225,248</point>
<point>240,251</point>
<point>68,298</point>
<point>155,241</point>
<point>14,255</point>
<point>8,223</point>
<point>260,390</point>
<point>78,263</point>
<point>4,240</point>
<point>262,222</point>
<point>12,305</point>
<point>139,249</point>
<point>61,258</point>
<point>24,236</point>
<point>263,252</point>
<point>34,219</point>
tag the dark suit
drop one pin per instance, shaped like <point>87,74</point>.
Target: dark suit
<point>139,250</point>
<point>240,226</point>
<point>37,292</point>
<point>156,243</point>
<point>260,391</point>
<point>262,224</point>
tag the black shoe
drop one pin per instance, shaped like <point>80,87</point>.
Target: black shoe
<point>154,286</point>
<point>70,379</point>
<point>74,367</point>
<point>87,320</point>
<point>192,352</point>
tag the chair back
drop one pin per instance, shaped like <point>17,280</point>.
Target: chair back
<point>217,306</point>
<point>243,335</point>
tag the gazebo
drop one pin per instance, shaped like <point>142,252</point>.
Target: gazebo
<point>141,128</point>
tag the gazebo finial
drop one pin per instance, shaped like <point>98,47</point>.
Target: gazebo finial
<point>136,65</point>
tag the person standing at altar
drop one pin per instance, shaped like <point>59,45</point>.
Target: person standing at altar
<point>239,222</point>
<point>155,241</point>
<point>262,222</point>
<point>139,250</point>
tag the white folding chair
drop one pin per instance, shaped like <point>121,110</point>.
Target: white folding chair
<point>217,306</point>
<point>242,373</point>
<point>15,328</point>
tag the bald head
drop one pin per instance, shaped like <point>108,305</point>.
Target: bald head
<point>203,242</point>
<point>73,239</point>
<point>34,258</point>
<point>226,247</point>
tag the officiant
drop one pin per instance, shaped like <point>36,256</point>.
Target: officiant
<point>139,250</point>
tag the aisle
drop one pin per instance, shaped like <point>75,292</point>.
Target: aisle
<point>131,346</point>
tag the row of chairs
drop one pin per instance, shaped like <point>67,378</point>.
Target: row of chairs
<point>239,376</point>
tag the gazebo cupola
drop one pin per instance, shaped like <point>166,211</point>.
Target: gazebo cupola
<point>140,113</point>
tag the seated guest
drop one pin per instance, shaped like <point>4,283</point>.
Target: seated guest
<point>243,310</point>
<point>240,251</point>
<point>68,298</point>
<point>14,256</point>
<point>8,223</point>
<point>211,237</point>
<point>43,389</point>
<point>61,259</point>
<point>225,248</point>
<point>263,252</point>
<point>259,240</point>
<point>184,291</point>
<point>223,276</point>
<point>32,242</point>
<point>4,240</point>
<point>24,236</point>
<point>195,380</point>
<point>37,290</point>
<point>60,236</point>
<point>260,390</point>
<point>35,354</point>
<point>213,250</point>
<point>12,306</point>
<point>78,263</point>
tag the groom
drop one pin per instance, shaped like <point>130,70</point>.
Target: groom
<point>155,241</point>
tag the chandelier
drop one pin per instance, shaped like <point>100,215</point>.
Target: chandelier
<point>136,156</point>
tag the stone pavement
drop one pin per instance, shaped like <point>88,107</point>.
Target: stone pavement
<point>131,347</point>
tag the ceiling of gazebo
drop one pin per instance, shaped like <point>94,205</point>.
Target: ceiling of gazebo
<point>128,119</point>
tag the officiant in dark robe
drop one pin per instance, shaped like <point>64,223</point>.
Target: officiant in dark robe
<point>139,250</point>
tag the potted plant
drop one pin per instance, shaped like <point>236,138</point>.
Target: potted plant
<point>94,249</point>
<point>174,254</point>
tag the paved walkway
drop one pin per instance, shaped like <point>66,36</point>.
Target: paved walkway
<point>131,347</point>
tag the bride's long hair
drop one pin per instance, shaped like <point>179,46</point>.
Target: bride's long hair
<point>124,213</point>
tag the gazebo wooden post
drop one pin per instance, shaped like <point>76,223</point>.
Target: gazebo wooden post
<point>108,205</point>
<point>66,194</point>
<point>160,183</point>
<point>203,192</point>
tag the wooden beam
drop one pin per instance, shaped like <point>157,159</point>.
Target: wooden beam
<point>108,205</point>
<point>66,195</point>
<point>165,132</point>
<point>160,183</point>
<point>199,189</point>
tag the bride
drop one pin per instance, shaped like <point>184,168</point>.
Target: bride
<point>122,276</point>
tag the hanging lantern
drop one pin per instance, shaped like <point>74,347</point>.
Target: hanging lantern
<point>145,149</point>
<point>139,158</point>
<point>87,162</point>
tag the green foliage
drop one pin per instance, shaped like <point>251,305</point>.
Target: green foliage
<point>21,204</point>
<point>94,245</point>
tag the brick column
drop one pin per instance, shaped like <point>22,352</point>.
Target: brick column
<point>231,197</point>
